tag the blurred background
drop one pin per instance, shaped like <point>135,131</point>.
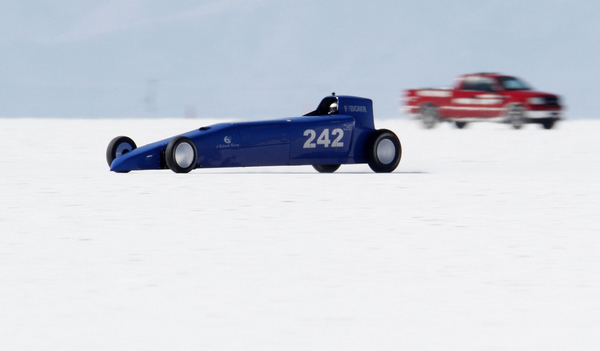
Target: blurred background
<point>250,59</point>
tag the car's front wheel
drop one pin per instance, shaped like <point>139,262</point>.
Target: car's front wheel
<point>181,155</point>
<point>460,124</point>
<point>548,124</point>
<point>118,147</point>
<point>384,151</point>
<point>326,168</point>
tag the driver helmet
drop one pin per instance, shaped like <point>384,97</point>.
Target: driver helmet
<point>333,108</point>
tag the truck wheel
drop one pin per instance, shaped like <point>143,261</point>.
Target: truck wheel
<point>548,124</point>
<point>181,154</point>
<point>326,168</point>
<point>516,117</point>
<point>460,125</point>
<point>383,151</point>
<point>117,147</point>
<point>429,116</point>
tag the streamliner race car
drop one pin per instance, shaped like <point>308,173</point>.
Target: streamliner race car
<point>340,131</point>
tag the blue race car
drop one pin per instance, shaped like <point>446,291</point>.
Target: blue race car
<point>340,131</point>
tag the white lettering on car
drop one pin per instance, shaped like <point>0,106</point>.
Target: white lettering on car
<point>324,138</point>
<point>311,134</point>
<point>353,108</point>
<point>228,143</point>
<point>338,141</point>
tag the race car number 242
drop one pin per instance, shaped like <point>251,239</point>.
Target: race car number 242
<point>324,138</point>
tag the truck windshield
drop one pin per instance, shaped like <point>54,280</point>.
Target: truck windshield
<point>512,83</point>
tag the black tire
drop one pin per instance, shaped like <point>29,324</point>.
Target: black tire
<point>516,117</point>
<point>548,124</point>
<point>326,168</point>
<point>117,147</point>
<point>181,155</point>
<point>460,125</point>
<point>429,116</point>
<point>384,151</point>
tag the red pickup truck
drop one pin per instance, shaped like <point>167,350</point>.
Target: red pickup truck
<point>484,97</point>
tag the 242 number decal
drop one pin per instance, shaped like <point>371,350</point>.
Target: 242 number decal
<point>324,138</point>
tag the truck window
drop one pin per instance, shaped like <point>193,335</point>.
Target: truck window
<point>470,83</point>
<point>486,84</point>
<point>479,84</point>
<point>512,83</point>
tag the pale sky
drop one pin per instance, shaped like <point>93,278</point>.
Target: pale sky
<point>266,59</point>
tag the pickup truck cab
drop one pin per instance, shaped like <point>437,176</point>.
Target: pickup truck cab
<point>484,97</point>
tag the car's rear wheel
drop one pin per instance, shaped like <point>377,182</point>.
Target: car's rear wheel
<point>326,168</point>
<point>181,155</point>
<point>384,151</point>
<point>516,117</point>
<point>118,147</point>
<point>429,116</point>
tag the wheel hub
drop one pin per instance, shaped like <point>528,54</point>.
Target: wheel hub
<point>386,151</point>
<point>184,155</point>
<point>122,149</point>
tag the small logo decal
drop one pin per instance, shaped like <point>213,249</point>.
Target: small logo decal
<point>228,143</point>
<point>353,108</point>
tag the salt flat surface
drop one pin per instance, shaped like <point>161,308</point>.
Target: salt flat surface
<point>483,239</point>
